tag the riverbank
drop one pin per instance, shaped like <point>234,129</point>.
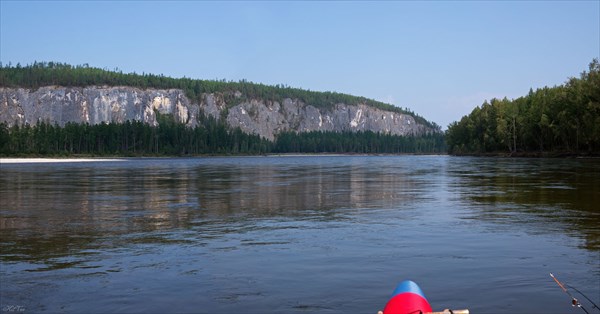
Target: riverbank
<point>54,160</point>
<point>14,160</point>
<point>532,155</point>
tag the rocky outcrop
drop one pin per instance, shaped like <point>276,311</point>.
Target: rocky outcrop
<point>269,118</point>
<point>92,105</point>
<point>96,104</point>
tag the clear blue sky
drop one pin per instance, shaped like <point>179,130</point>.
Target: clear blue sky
<point>438,58</point>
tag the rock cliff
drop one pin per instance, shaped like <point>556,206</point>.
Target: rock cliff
<point>97,104</point>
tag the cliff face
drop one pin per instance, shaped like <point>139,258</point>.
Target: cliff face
<point>91,105</point>
<point>95,105</point>
<point>268,118</point>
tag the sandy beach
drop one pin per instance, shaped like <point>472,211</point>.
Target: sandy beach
<point>53,160</point>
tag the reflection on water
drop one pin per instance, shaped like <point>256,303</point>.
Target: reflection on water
<point>55,210</point>
<point>295,234</point>
<point>543,195</point>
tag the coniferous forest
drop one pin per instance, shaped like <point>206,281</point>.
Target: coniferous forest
<point>552,121</point>
<point>171,138</point>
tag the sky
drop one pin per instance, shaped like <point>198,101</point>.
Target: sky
<point>439,59</point>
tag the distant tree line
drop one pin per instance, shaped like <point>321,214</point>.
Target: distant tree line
<point>563,119</point>
<point>367,142</point>
<point>172,138</point>
<point>131,138</point>
<point>41,74</point>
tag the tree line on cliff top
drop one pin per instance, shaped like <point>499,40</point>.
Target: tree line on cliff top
<point>41,74</point>
<point>557,120</point>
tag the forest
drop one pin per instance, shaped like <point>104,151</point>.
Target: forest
<point>171,138</point>
<point>210,137</point>
<point>551,121</point>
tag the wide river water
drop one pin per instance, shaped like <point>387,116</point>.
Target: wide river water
<point>309,234</point>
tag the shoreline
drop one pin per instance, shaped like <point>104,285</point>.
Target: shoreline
<point>56,160</point>
<point>553,155</point>
<point>26,160</point>
<point>31,160</point>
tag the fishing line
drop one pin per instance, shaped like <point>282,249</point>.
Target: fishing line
<point>576,290</point>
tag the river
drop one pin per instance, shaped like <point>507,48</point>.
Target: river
<point>297,234</point>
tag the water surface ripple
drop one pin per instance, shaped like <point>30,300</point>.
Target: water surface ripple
<point>312,234</point>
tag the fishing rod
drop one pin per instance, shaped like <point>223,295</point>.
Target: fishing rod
<point>574,300</point>
<point>592,302</point>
